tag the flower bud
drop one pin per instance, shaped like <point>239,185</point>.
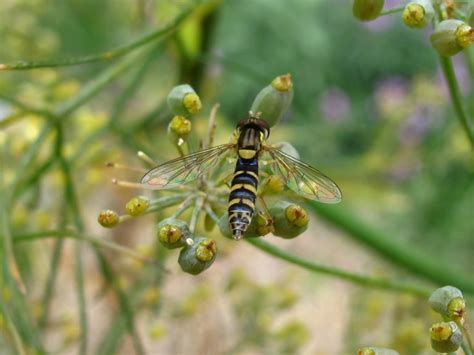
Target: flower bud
<point>197,257</point>
<point>137,205</point>
<point>179,128</point>
<point>108,218</point>
<point>183,100</point>
<point>273,101</point>
<point>172,233</point>
<point>447,301</point>
<point>289,219</point>
<point>445,337</point>
<point>287,148</point>
<point>418,13</point>
<point>367,10</point>
<point>274,184</point>
<point>452,36</point>
<point>376,351</point>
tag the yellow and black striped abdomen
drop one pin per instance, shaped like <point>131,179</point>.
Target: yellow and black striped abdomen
<point>242,195</point>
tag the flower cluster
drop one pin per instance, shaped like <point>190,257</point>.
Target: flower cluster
<point>207,196</point>
<point>451,31</point>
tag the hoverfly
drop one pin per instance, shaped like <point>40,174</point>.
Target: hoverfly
<point>250,144</point>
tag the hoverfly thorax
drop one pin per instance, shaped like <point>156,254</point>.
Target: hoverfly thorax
<point>251,133</point>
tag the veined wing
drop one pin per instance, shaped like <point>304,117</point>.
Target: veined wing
<point>185,169</point>
<point>303,178</point>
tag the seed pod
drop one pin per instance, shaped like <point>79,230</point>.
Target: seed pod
<point>367,10</point>
<point>179,128</point>
<point>289,219</point>
<point>137,205</point>
<point>197,257</point>
<point>376,351</point>
<point>452,36</point>
<point>108,218</point>
<point>183,100</point>
<point>445,337</point>
<point>441,299</point>
<point>418,13</point>
<point>172,233</point>
<point>274,100</point>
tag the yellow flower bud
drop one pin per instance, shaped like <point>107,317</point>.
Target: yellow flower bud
<point>192,103</point>
<point>451,37</point>
<point>137,205</point>
<point>172,233</point>
<point>180,126</point>
<point>183,100</point>
<point>108,218</point>
<point>418,14</point>
<point>445,337</point>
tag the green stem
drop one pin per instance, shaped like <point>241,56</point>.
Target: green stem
<point>96,241</point>
<point>456,98</point>
<point>104,56</point>
<point>391,11</point>
<point>73,206</point>
<point>345,275</point>
<point>386,245</point>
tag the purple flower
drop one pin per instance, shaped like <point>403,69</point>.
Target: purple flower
<point>390,94</point>
<point>334,104</point>
<point>417,124</point>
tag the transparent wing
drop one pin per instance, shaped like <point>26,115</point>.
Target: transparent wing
<point>185,169</point>
<point>303,178</point>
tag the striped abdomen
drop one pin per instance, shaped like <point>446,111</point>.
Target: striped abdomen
<point>242,195</point>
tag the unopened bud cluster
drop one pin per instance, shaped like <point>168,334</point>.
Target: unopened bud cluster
<point>449,37</point>
<point>449,302</point>
<point>376,351</point>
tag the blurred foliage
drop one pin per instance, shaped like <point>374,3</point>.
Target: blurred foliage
<point>370,108</point>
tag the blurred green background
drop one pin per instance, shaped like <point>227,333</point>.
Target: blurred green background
<point>371,109</point>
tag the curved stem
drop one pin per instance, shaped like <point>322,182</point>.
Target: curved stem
<point>345,275</point>
<point>456,99</point>
<point>391,11</point>
<point>403,255</point>
<point>112,54</point>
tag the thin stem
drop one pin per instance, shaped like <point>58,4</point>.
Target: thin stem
<point>466,334</point>
<point>195,215</point>
<point>345,275</point>
<point>17,342</point>
<point>456,98</point>
<point>96,241</point>
<point>388,246</point>
<point>73,206</point>
<point>211,129</point>
<point>392,11</point>
<point>109,55</point>
<point>183,206</point>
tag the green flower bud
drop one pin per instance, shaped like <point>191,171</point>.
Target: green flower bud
<point>183,100</point>
<point>172,233</point>
<point>441,299</point>
<point>179,128</point>
<point>197,257</point>
<point>418,14</point>
<point>376,351</point>
<point>289,219</point>
<point>108,218</point>
<point>452,36</point>
<point>287,148</point>
<point>273,101</point>
<point>137,205</point>
<point>456,309</point>
<point>445,337</point>
<point>367,10</point>
<point>273,184</point>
